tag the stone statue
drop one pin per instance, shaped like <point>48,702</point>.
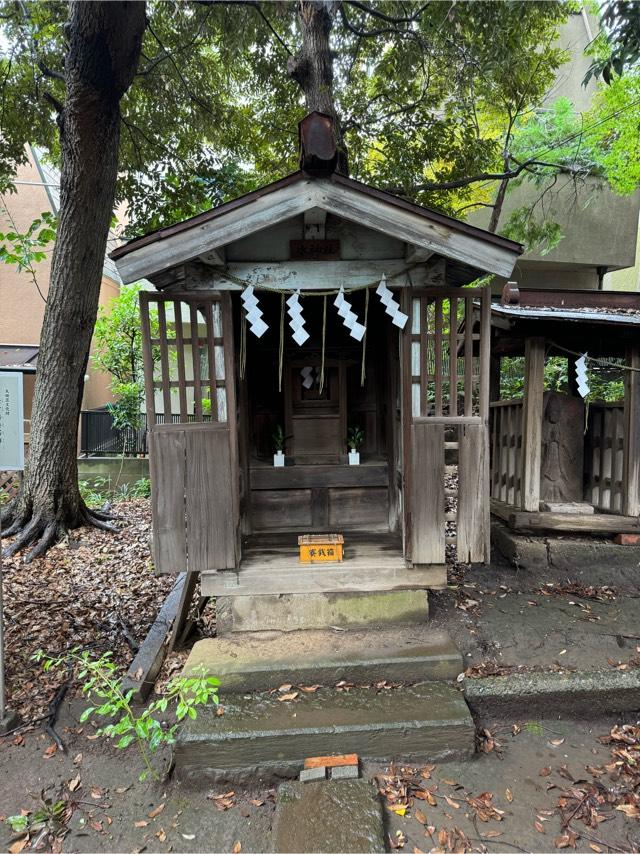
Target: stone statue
<point>561,474</point>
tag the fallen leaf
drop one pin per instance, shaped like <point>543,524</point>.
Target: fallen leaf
<point>538,826</point>
<point>78,759</point>
<point>96,793</point>
<point>491,834</point>
<point>544,772</point>
<point>291,696</point>
<point>161,835</point>
<point>256,802</point>
<point>400,810</point>
<point>556,742</point>
<point>17,846</point>
<point>237,848</point>
<point>595,847</point>
<point>188,835</point>
<point>284,688</point>
<point>629,809</point>
<point>420,816</point>
<point>141,823</point>
<point>452,803</point>
<point>310,689</point>
<point>74,784</point>
<point>155,812</point>
<point>50,751</point>
<point>508,795</point>
<point>122,789</point>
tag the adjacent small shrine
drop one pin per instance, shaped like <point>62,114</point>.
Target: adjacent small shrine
<point>320,320</point>
<point>567,460</point>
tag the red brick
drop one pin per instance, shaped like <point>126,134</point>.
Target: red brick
<point>627,539</point>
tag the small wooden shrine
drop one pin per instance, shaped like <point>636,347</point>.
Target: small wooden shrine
<point>560,462</point>
<point>310,310</point>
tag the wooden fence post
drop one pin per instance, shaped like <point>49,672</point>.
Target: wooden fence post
<point>532,422</point>
<point>631,445</point>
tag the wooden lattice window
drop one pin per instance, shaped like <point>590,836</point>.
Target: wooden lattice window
<point>186,361</point>
<point>447,376</point>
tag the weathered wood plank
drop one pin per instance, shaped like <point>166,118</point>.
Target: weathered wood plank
<point>427,494</point>
<point>147,359</point>
<point>610,523</point>
<point>301,476</point>
<point>167,450</point>
<point>453,355</point>
<point>195,361</point>
<point>182,389</point>
<point>143,670</point>
<point>631,477</point>
<point>164,360</point>
<point>473,525</point>
<point>532,423</point>
<point>327,579</point>
<point>209,509</point>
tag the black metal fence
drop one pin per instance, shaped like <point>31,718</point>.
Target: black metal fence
<point>99,437</point>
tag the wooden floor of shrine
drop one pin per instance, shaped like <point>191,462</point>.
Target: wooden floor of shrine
<point>372,562</point>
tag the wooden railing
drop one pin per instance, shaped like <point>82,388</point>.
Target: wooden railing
<point>604,457</point>
<point>505,419</point>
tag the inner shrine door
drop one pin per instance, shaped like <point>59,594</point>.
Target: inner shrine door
<point>190,393</point>
<point>445,394</point>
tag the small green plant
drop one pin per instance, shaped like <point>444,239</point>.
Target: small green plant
<point>102,687</point>
<point>95,492</point>
<point>279,438</point>
<point>47,822</point>
<point>355,438</point>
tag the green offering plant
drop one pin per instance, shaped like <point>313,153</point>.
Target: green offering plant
<point>355,438</point>
<point>102,686</point>
<point>278,438</point>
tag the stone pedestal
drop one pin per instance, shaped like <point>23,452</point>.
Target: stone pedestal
<point>293,611</point>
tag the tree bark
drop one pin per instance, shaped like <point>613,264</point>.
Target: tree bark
<point>104,41</point>
<point>312,66</point>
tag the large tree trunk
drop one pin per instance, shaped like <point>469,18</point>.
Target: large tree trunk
<point>312,66</point>
<point>104,41</point>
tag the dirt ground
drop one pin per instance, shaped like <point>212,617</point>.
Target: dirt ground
<point>524,773</point>
<point>502,618</point>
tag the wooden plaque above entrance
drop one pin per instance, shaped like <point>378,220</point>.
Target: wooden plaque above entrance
<point>314,250</point>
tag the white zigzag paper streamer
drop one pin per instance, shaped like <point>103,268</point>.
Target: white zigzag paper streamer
<point>253,313</point>
<point>582,377</point>
<point>296,322</point>
<point>391,307</point>
<point>349,317</point>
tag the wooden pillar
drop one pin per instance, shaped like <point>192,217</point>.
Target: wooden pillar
<point>532,423</point>
<point>631,471</point>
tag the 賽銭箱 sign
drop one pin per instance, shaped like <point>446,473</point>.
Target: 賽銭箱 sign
<point>11,422</point>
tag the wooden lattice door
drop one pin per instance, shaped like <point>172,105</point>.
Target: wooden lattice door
<point>445,415</point>
<point>191,418</point>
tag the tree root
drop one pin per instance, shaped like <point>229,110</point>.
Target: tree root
<point>41,531</point>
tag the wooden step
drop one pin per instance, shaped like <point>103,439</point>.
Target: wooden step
<point>361,576</point>
<point>259,737</point>
<point>257,661</point>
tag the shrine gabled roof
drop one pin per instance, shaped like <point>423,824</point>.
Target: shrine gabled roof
<point>345,197</point>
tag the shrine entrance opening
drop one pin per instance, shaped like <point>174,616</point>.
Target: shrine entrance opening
<point>307,400</point>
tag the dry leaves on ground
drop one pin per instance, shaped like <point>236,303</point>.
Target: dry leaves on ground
<point>96,590</point>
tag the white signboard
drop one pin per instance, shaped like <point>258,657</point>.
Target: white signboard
<point>11,422</point>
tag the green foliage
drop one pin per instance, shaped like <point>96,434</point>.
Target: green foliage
<point>118,351</point>
<point>355,437</point>
<point>50,818</point>
<point>95,493</point>
<point>605,384</point>
<point>24,249</point>
<point>616,48</point>
<point>102,687</point>
<point>279,439</point>
<point>423,101</point>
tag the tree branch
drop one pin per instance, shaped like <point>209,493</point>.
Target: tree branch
<point>390,19</point>
<point>488,176</point>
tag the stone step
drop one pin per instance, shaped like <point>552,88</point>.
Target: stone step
<point>261,737</point>
<point>290,611</point>
<point>258,661</point>
<point>329,818</point>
